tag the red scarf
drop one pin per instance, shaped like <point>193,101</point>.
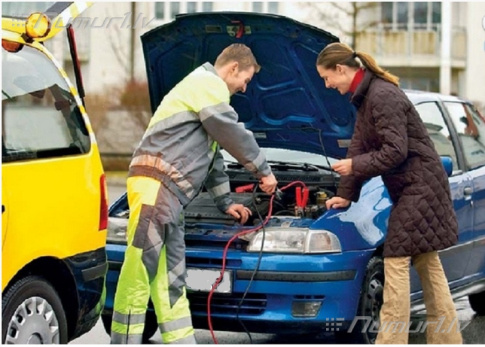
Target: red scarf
<point>356,81</point>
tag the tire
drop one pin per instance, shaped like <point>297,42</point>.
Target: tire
<point>32,313</point>
<point>370,303</point>
<point>477,302</point>
<point>151,325</point>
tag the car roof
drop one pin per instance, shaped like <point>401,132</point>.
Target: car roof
<point>418,96</point>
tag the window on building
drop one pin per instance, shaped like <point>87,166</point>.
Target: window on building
<point>420,13</point>
<point>430,84</point>
<point>207,6</point>
<point>258,6</point>
<point>436,13</point>
<point>174,9</point>
<point>160,10</point>
<point>265,6</point>
<point>411,15</point>
<point>191,7</point>
<point>402,15</point>
<point>273,7</point>
<point>386,12</point>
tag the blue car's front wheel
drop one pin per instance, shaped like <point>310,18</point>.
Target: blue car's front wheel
<point>363,329</point>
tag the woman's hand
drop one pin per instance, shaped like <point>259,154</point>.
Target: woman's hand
<point>343,167</point>
<point>239,212</point>
<point>337,202</point>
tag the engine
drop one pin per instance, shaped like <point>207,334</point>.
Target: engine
<point>304,191</point>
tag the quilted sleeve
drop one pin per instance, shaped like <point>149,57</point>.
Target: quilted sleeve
<point>350,186</point>
<point>388,112</point>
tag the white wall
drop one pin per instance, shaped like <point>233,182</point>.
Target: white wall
<point>475,72</point>
<point>109,49</point>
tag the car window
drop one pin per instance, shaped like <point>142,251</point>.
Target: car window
<point>437,129</point>
<point>471,131</point>
<point>40,116</point>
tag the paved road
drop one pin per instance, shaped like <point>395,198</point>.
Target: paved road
<point>472,330</point>
<point>472,325</point>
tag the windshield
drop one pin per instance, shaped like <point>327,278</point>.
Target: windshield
<point>40,116</point>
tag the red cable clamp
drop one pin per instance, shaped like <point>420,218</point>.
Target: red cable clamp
<point>302,198</point>
<point>245,189</point>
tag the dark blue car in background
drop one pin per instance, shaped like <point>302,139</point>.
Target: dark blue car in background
<point>309,269</point>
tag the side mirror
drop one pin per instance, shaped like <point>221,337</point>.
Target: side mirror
<point>447,164</point>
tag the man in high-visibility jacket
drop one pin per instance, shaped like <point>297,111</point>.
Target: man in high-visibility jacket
<point>179,153</point>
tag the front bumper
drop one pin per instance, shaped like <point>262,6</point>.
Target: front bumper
<point>329,284</point>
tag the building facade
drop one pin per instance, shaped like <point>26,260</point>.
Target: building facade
<point>433,46</point>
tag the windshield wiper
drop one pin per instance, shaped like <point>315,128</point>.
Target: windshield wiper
<point>281,166</point>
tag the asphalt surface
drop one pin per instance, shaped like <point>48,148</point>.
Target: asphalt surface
<point>472,331</point>
<point>472,325</point>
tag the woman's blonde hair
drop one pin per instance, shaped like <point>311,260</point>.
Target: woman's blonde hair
<point>240,53</point>
<point>340,53</point>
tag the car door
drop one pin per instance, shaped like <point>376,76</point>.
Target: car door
<point>454,259</point>
<point>470,127</point>
<point>4,211</point>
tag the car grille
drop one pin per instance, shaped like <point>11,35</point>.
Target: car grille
<point>253,304</point>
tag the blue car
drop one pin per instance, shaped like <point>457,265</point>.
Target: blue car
<point>308,270</point>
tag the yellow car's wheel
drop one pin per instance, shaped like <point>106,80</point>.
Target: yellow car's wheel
<point>32,313</point>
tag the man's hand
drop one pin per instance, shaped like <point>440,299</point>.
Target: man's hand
<point>337,202</point>
<point>268,184</point>
<point>239,212</point>
<point>343,167</point>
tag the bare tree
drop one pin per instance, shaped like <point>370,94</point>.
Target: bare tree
<point>133,94</point>
<point>119,46</point>
<point>349,18</point>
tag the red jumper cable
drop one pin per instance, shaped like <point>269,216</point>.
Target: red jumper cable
<point>300,198</point>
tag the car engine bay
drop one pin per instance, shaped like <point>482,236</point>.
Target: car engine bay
<point>308,188</point>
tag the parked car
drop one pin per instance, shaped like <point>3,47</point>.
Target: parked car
<point>309,270</point>
<point>54,203</point>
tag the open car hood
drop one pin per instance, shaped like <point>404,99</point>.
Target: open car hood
<point>286,105</point>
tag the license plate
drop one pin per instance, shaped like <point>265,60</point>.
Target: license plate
<point>202,280</point>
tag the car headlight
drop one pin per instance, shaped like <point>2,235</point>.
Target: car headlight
<point>117,230</point>
<point>298,240</point>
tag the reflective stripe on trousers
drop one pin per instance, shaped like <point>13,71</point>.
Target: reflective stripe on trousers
<point>154,267</point>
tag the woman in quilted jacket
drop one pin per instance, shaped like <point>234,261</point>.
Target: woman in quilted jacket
<point>390,140</point>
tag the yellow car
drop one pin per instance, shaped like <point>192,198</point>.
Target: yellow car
<point>54,197</point>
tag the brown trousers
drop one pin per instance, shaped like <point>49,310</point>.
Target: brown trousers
<point>442,326</point>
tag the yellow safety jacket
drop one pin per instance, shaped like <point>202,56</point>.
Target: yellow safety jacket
<point>181,141</point>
